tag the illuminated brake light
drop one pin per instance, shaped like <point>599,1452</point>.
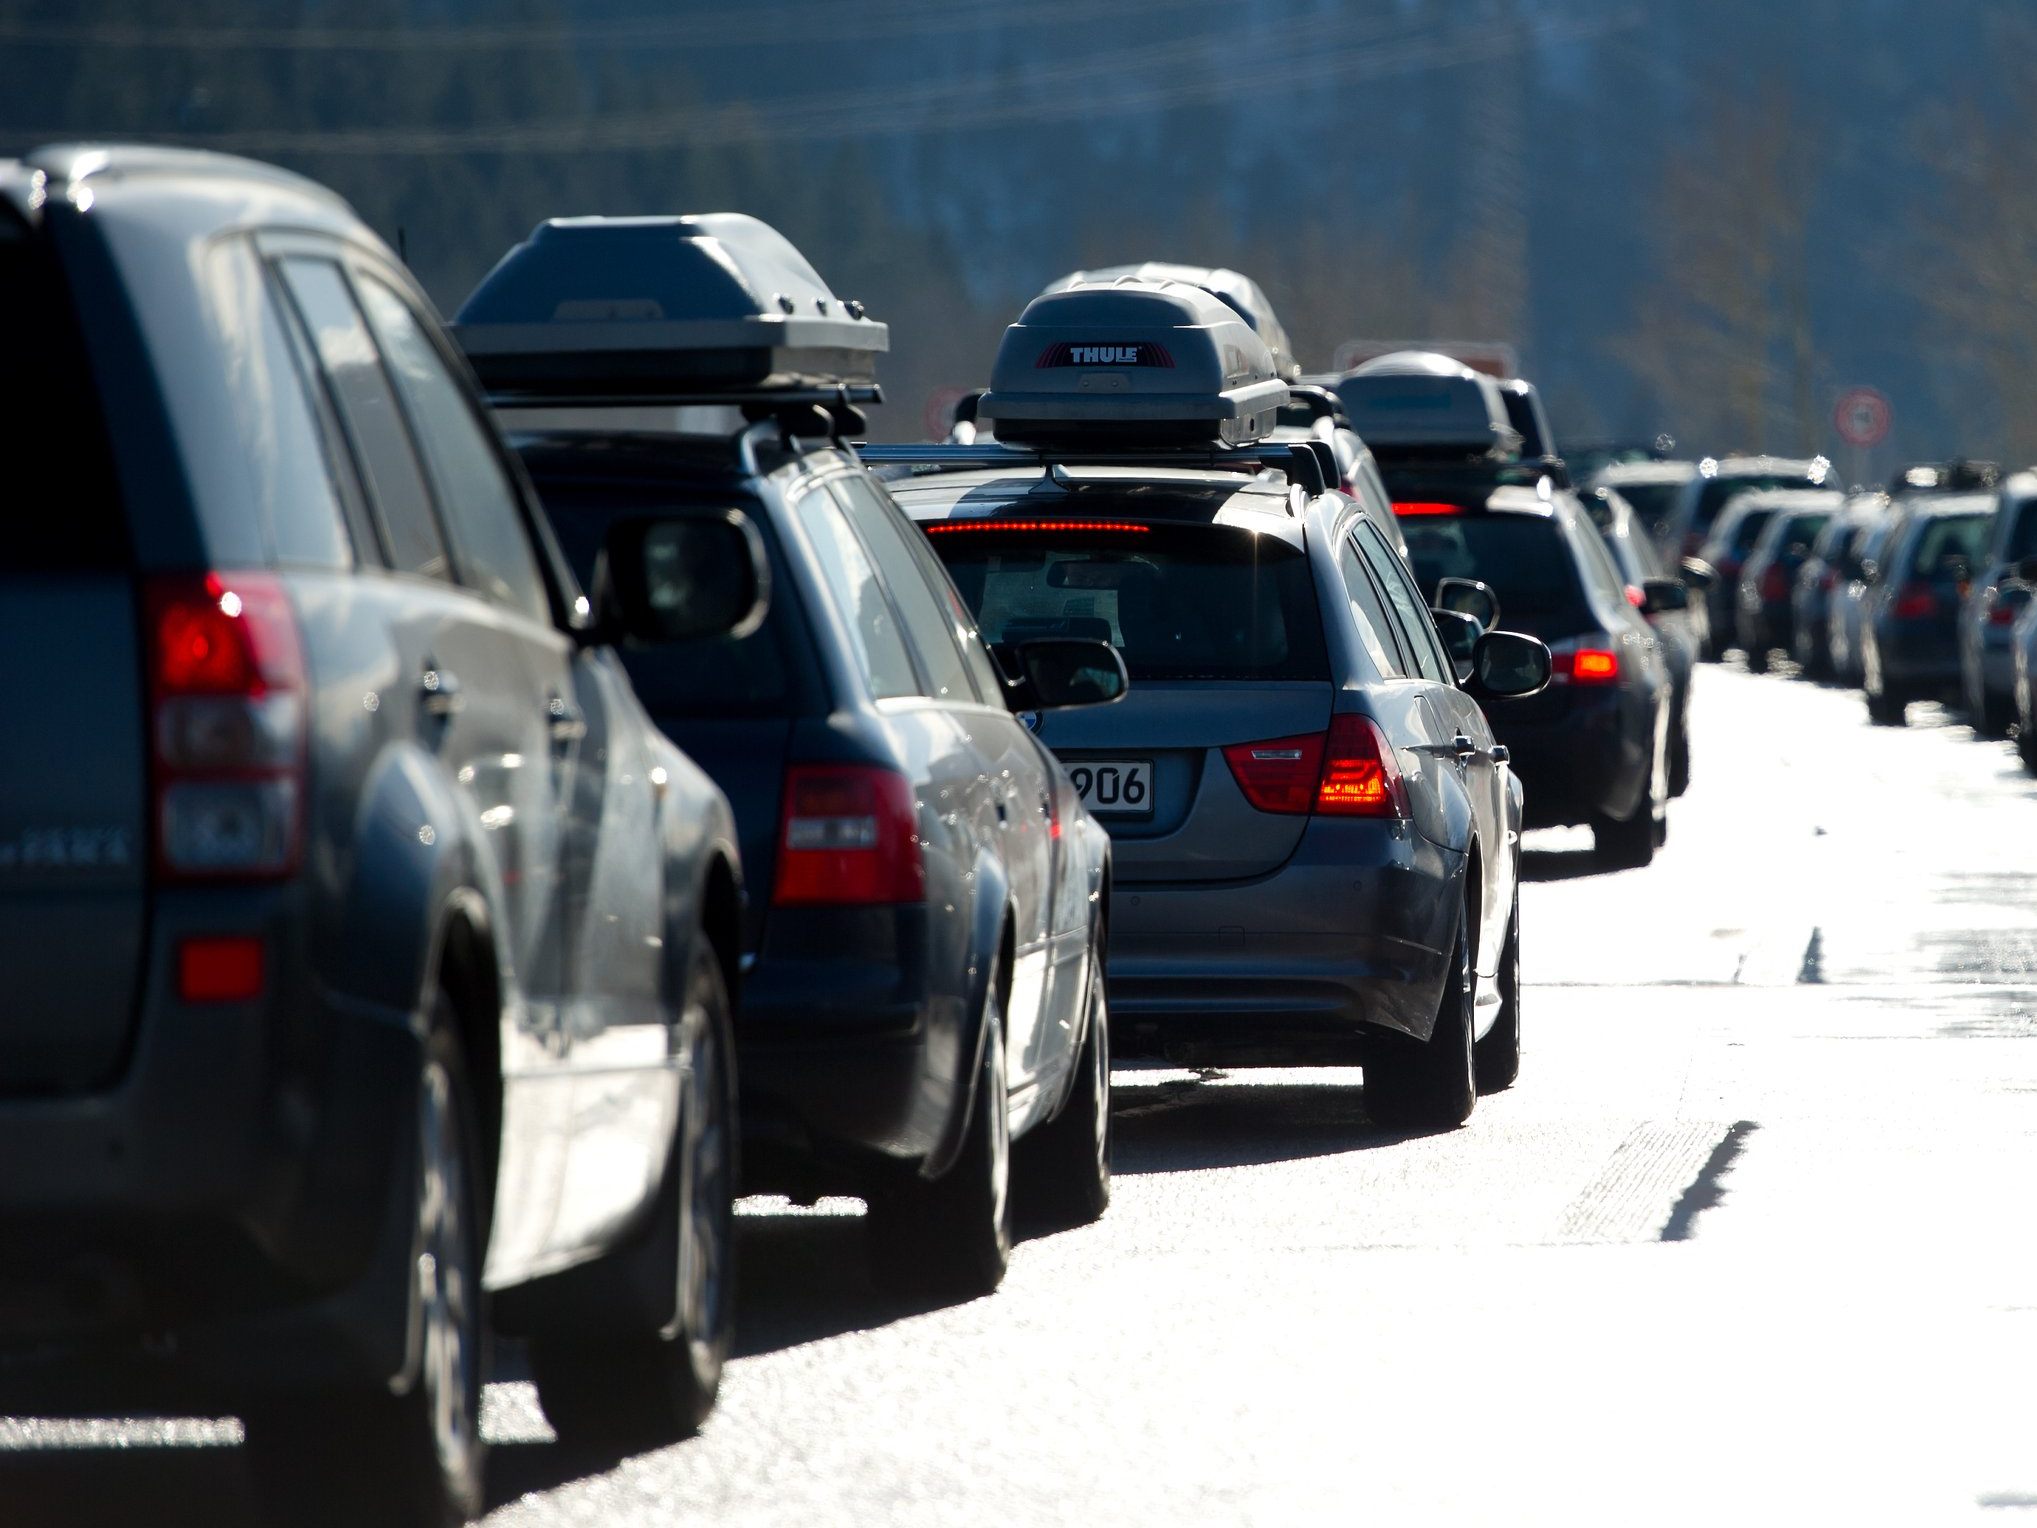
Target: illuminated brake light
<point>848,836</point>
<point>1586,665</point>
<point>1034,527</point>
<point>1425,507</point>
<point>227,693</point>
<point>1915,602</point>
<point>1636,598</point>
<point>1349,771</point>
<point>2000,614</point>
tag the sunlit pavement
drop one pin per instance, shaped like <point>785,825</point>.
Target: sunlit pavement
<point>1750,1242</point>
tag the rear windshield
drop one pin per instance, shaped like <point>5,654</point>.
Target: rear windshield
<point>1653,502</point>
<point>1797,529</point>
<point>751,675</point>
<point>1742,536</point>
<point>1179,602</point>
<point>1523,557</point>
<point>1950,546</point>
<point>49,413</point>
<point>2022,531</point>
<point>1717,491</point>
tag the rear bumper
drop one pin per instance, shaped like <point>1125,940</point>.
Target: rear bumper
<point>1772,626</point>
<point>226,1220</point>
<point>1577,764</point>
<point>1918,662</point>
<point>1350,935</point>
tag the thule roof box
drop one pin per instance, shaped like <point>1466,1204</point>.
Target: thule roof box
<point>1136,363</point>
<point>717,308</point>
<point>1415,404</point>
<point>1240,292</point>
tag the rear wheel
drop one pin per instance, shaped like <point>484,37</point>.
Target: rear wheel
<point>656,1386</point>
<point>1757,660</point>
<point>951,1236</point>
<point>1063,1167</point>
<point>1887,710</point>
<point>412,1460</point>
<point>1432,1084</point>
<point>1496,1059</point>
<point>1629,845</point>
<point>1679,755</point>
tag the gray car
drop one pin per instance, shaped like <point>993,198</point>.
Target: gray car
<point>1986,618</point>
<point>1846,609</point>
<point>369,954</point>
<point>1653,489</point>
<point>1679,631</point>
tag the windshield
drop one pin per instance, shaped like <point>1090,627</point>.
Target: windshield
<point>1949,546</point>
<point>1179,602</point>
<point>1523,557</point>
<point>1653,502</point>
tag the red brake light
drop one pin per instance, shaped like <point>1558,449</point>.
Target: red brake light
<point>1026,527</point>
<point>1914,602</point>
<point>848,836</point>
<point>1586,665</point>
<point>219,970</point>
<point>227,682</point>
<point>1425,507</point>
<point>1774,584</point>
<point>1636,598</point>
<point>1349,771</point>
<point>1999,614</point>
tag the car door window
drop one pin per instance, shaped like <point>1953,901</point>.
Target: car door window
<point>373,421</point>
<point>1419,630</point>
<point>1368,611</point>
<point>852,580</point>
<point>929,626</point>
<point>475,493</point>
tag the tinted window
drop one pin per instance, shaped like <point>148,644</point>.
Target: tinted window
<point>1523,558</point>
<point>49,412</point>
<point>475,494</point>
<point>873,626</point>
<point>1653,502</point>
<point>374,424</point>
<point>1715,493</point>
<point>1796,529</point>
<point>1949,546</point>
<point>2022,541</point>
<point>1178,601</point>
<point>1418,632</point>
<point>922,606</point>
<point>1368,611</point>
<point>750,675</point>
<point>1740,535</point>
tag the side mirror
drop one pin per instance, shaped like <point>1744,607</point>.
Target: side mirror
<point>1699,574</point>
<point>681,579</point>
<point>1507,665</point>
<point>1460,634</point>
<point>1663,594</point>
<point>1468,596</point>
<point>1059,672</point>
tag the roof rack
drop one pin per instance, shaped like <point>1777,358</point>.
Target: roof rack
<point>1300,462</point>
<point>1308,402</point>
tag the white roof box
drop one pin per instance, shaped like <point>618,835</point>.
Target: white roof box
<point>1240,291</point>
<point>1133,362</point>
<point>1420,402</point>
<point>715,307</point>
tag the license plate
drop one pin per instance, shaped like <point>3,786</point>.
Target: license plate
<point>1115,787</point>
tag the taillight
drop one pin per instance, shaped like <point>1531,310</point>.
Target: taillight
<point>1425,507</point>
<point>848,836</point>
<point>2000,614</point>
<point>1349,771</point>
<point>1585,665</point>
<point>1914,602</point>
<point>226,970</point>
<point>1637,597</point>
<point>227,697</point>
<point>1774,584</point>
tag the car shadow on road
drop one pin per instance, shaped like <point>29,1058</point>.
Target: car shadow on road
<point>125,1486</point>
<point>1223,1120</point>
<point>1560,864</point>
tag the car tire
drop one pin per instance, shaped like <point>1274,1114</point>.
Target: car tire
<point>1887,710</point>
<point>1061,1171</point>
<point>644,1389</point>
<point>1628,845</point>
<point>2026,747</point>
<point>1757,660</point>
<point>1430,1085</point>
<point>950,1237</point>
<point>1496,1059</point>
<point>1990,717</point>
<point>413,1460</point>
<point>1679,755</point>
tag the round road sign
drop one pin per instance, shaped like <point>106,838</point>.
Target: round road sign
<point>1863,416</point>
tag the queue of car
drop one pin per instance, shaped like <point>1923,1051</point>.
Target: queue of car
<point>527,782</point>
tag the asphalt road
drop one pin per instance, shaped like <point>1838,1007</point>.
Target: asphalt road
<point>1750,1242</point>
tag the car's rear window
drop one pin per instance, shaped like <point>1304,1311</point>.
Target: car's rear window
<point>1950,545</point>
<point>1742,535</point>
<point>1717,491</point>
<point>1653,502</point>
<point>50,414</point>
<point>1179,602</point>
<point>1796,529</point>
<point>2022,532</point>
<point>1523,557</point>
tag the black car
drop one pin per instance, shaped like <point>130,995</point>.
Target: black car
<point>925,937</point>
<point>1317,840</point>
<point>1594,747</point>
<point>1764,610</point>
<point>1717,482</point>
<point>1910,621</point>
<point>369,953</point>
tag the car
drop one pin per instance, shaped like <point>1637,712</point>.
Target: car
<point>1315,413</point>
<point>1910,618</point>
<point>924,1021</point>
<point>1636,561</point>
<point>1595,746</point>
<point>1652,488</point>
<point>369,951</point>
<point>1987,618</point>
<point>1717,482</point>
<point>1419,402</point>
<point>1738,526</point>
<point>1766,612</point>
<point>1529,419</point>
<point>2023,666</point>
<point>1834,560</point>
<point>1844,612</point>
<point>1316,835</point>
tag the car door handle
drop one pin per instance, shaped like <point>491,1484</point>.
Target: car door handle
<point>564,721</point>
<point>1459,747</point>
<point>438,693</point>
<point>1499,753</point>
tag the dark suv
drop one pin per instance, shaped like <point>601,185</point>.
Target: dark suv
<point>367,948</point>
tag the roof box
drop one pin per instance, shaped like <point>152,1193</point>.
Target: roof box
<point>1240,292</point>
<point>711,308</point>
<point>1416,403</point>
<point>1135,362</point>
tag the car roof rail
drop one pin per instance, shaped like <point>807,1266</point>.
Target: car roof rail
<point>1300,462</point>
